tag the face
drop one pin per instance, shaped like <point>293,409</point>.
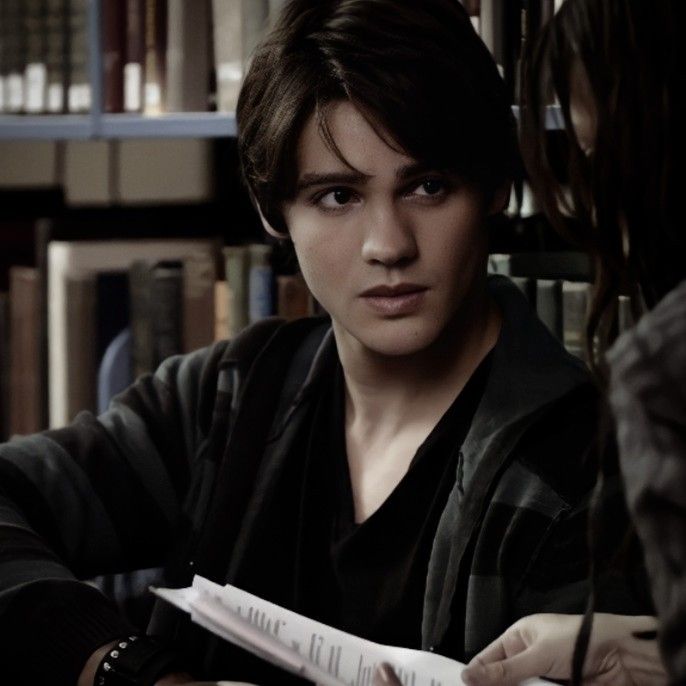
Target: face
<point>393,251</point>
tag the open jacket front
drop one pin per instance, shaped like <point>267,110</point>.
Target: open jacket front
<point>180,471</point>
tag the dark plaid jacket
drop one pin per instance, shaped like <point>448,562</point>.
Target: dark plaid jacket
<point>177,472</point>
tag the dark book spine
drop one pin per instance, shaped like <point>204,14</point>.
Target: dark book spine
<point>142,339</point>
<point>167,308</point>
<point>134,67</point>
<point>57,55</point>
<point>26,388</point>
<point>79,93</point>
<point>114,41</point>
<point>155,55</point>
<point>36,70</point>
<point>4,366</point>
<point>15,55</point>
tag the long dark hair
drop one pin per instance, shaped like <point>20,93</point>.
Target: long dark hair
<point>623,199</point>
<point>625,194</point>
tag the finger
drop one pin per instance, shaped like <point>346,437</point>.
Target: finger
<point>507,672</point>
<point>385,676</point>
<point>508,645</point>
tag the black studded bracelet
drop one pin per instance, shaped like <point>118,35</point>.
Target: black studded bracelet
<point>135,661</point>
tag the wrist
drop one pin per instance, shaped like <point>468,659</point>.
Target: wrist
<point>137,661</point>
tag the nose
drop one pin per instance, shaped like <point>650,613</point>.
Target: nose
<point>389,237</point>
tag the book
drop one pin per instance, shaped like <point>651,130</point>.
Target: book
<point>79,91</point>
<point>549,305</point>
<point>36,69</point>
<point>568,265</point>
<point>236,268</point>
<point>199,277</point>
<point>115,373</point>
<point>222,296</point>
<point>227,23</point>
<point>57,27</point>
<point>81,334</point>
<point>14,55</point>
<point>154,90</point>
<point>134,67</point>
<point>77,257</point>
<point>166,302</point>
<point>255,15</point>
<point>142,341</point>
<point>26,383</point>
<point>114,49</point>
<point>260,282</point>
<point>312,650</point>
<point>293,297</point>
<point>4,365</point>
<point>575,305</point>
<point>188,55</point>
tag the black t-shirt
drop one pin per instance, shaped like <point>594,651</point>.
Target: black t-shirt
<point>369,578</point>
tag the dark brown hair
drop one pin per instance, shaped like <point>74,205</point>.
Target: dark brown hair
<point>416,70</point>
<point>631,53</point>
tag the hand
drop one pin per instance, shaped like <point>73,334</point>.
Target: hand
<point>542,646</point>
<point>385,676</point>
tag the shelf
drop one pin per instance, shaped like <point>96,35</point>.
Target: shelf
<point>116,126</point>
<point>45,127</point>
<point>182,125</point>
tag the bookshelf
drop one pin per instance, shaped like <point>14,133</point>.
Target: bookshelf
<point>98,125</point>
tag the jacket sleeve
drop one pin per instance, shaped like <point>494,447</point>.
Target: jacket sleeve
<point>648,396</point>
<point>102,495</point>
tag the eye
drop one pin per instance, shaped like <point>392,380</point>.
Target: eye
<point>430,188</point>
<point>335,198</point>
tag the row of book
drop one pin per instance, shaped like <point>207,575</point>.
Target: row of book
<point>109,311</point>
<point>177,55</point>
<point>157,55</point>
<point>510,28</point>
<point>558,286</point>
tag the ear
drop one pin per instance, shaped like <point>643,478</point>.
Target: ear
<point>500,199</point>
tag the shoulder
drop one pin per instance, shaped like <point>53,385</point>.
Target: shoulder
<point>653,352</point>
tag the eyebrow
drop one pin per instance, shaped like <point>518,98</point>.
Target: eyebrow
<point>355,178</point>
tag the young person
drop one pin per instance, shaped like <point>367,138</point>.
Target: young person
<point>412,470</point>
<point>617,68</point>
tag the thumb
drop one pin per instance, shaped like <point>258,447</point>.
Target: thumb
<point>507,672</point>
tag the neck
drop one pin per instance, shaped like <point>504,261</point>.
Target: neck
<point>384,390</point>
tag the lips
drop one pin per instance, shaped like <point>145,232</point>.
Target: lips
<point>393,291</point>
<point>395,301</point>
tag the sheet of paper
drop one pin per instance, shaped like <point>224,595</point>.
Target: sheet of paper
<point>303,646</point>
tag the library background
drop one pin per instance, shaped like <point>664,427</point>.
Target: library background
<point>125,233</point>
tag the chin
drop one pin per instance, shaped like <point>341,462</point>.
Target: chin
<point>399,341</point>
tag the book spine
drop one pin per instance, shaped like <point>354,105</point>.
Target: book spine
<point>236,268</point>
<point>36,70</point>
<point>222,295</point>
<point>79,92</point>
<point>575,304</point>
<point>155,52</point>
<point>254,16</point>
<point>113,40</point>
<point>549,305</point>
<point>167,302</point>
<point>134,67</point>
<point>261,283</point>
<point>140,293</point>
<point>4,366</point>
<point>57,56</point>
<point>15,56</point>
<point>293,297</point>
<point>81,336</point>
<point>26,411</point>
<point>199,277</point>
<point>228,52</point>
<point>188,56</point>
